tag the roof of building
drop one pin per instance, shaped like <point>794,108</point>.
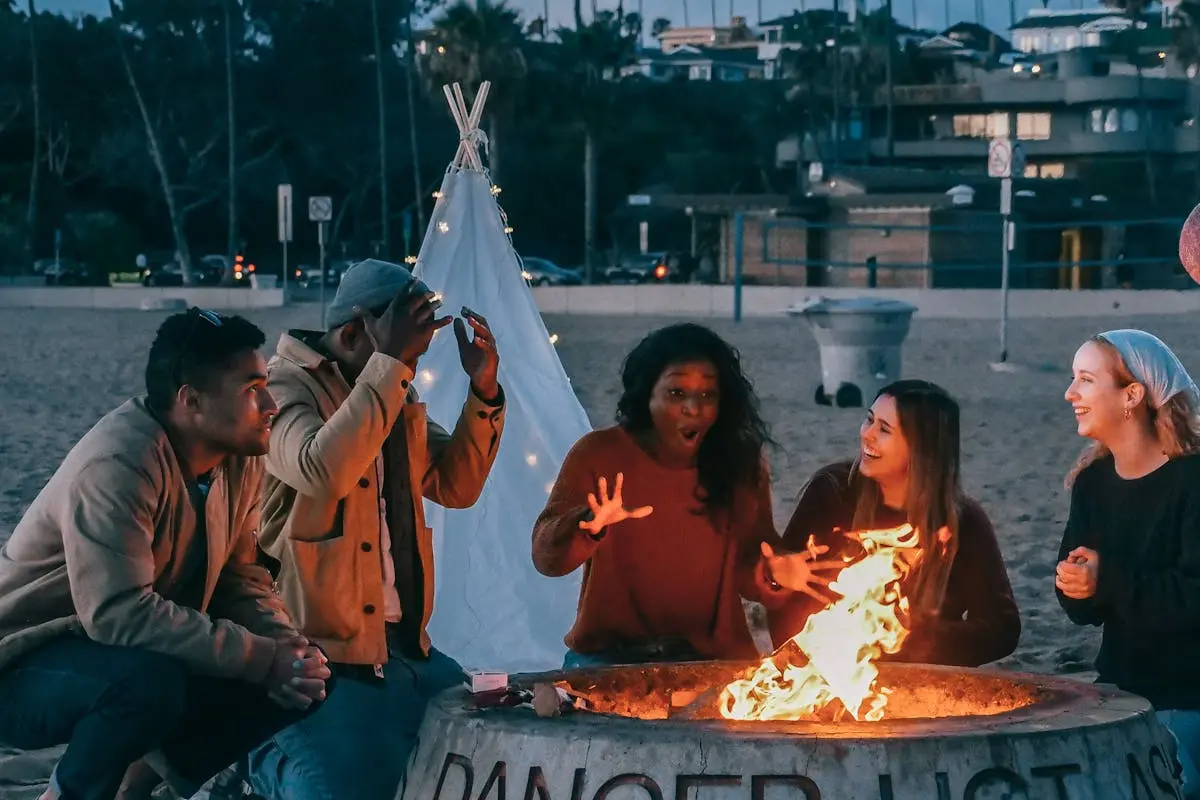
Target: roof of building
<point>1043,18</point>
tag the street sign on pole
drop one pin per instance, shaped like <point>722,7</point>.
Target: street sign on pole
<point>285,231</point>
<point>284,211</point>
<point>999,162</point>
<point>321,231</point>
<point>320,209</point>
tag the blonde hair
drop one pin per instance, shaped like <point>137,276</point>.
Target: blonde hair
<point>1175,423</point>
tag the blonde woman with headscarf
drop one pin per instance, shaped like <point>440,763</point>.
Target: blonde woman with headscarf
<point>1130,555</point>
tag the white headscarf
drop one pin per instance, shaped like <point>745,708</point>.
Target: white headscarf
<point>1153,365</point>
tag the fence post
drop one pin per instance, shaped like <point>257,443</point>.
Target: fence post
<point>738,225</point>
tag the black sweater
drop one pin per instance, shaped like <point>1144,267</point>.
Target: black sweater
<point>1147,533</point>
<point>979,621</point>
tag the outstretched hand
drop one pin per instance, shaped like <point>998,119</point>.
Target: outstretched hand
<point>610,509</point>
<point>797,571</point>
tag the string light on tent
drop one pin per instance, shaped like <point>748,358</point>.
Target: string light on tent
<point>554,338</point>
<point>437,195</point>
<point>443,226</point>
<point>549,487</point>
<point>495,191</point>
<point>410,259</point>
<point>531,459</point>
<point>508,229</point>
<point>427,377</point>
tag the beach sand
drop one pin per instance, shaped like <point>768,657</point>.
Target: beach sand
<point>63,369</point>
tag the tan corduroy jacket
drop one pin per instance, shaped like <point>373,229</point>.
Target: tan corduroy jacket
<point>110,544</point>
<point>321,516</point>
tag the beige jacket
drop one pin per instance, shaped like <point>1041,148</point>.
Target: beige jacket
<point>321,516</point>
<point>105,550</point>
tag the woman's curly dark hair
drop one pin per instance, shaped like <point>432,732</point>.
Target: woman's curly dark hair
<point>731,455</point>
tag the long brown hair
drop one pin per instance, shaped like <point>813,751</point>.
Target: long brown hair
<point>929,421</point>
<point>1174,422</point>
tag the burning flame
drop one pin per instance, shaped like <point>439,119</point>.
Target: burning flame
<point>833,657</point>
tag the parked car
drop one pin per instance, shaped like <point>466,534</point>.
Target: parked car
<point>643,268</point>
<point>310,276</point>
<point>68,272</point>
<point>206,271</point>
<point>542,272</point>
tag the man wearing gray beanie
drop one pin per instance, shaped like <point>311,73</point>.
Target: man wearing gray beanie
<point>352,455</point>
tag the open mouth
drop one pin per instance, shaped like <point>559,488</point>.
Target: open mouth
<point>690,436</point>
<point>871,453</point>
<point>1081,412</point>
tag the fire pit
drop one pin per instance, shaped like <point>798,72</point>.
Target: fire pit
<point>657,732</point>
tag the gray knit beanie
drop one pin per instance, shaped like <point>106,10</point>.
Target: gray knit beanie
<point>368,284</point>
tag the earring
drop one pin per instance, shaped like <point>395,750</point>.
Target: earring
<point>1128,413</point>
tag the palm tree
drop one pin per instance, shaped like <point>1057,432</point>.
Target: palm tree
<point>599,51</point>
<point>231,242</point>
<point>474,42</point>
<point>35,169</point>
<point>385,216</point>
<point>410,86</point>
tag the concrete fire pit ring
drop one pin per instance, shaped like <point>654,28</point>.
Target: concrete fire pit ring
<point>1061,740</point>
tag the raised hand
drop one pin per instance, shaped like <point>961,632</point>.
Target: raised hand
<point>478,354</point>
<point>797,571</point>
<point>1078,574</point>
<point>405,329</point>
<point>610,509</point>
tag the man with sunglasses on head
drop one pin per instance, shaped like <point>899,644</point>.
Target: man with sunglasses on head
<point>352,455</point>
<point>136,626</point>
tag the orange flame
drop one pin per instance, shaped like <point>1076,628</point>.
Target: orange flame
<point>839,644</point>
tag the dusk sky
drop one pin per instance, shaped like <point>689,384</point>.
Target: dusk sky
<point>930,13</point>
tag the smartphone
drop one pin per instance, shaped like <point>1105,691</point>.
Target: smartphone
<point>469,314</point>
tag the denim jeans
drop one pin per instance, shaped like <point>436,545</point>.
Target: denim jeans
<point>113,705</point>
<point>357,746</point>
<point>1185,728</point>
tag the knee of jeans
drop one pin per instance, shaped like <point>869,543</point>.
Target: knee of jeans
<point>152,682</point>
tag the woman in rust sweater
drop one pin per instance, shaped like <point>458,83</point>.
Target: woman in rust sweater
<point>668,512</point>
<point>907,470</point>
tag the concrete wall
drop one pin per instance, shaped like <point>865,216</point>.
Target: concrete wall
<point>714,302</point>
<point>134,297</point>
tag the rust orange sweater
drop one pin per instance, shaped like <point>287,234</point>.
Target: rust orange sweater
<point>674,574</point>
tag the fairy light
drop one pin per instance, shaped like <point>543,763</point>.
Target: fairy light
<point>427,377</point>
<point>508,229</point>
<point>531,459</point>
<point>495,191</point>
<point>549,487</point>
<point>410,259</point>
<point>554,338</point>
<point>437,195</point>
<point>444,226</point>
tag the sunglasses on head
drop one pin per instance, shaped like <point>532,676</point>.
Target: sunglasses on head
<point>197,314</point>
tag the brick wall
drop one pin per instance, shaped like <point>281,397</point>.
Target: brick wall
<point>854,245</point>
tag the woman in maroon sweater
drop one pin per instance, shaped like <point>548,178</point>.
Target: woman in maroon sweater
<point>907,470</point>
<point>669,511</point>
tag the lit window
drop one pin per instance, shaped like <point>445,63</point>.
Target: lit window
<point>1033,126</point>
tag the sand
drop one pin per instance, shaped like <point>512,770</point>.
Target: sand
<point>1018,434</point>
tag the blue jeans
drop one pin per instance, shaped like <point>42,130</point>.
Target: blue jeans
<point>1185,727</point>
<point>113,705</point>
<point>357,745</point>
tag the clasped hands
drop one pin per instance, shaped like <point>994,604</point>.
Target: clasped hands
<point>1078,574</point>
<point>298,673</point>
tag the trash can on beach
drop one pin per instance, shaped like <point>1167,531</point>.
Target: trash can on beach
<point>859,340</point>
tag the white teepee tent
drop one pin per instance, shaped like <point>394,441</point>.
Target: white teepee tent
<point>493,610</point>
